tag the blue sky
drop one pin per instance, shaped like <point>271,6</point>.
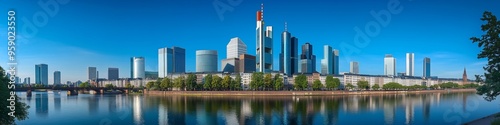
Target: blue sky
<point>106,33</point>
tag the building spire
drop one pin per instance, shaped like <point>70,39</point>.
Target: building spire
<point>286,26</point>
<point>262,11</point>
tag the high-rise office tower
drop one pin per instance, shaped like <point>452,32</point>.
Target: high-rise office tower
<point>171,60</point>
<point>410,64</point>
<point>41,74</point>
<point>288,55</point>
<point>92,73</point>
<point>335,62</point>
<point>354,67</point>
<point>427,67</point>
<point>294,52</point>
<point>264,40</point>
<point>113,74</point>
<point>57,77</point>
<point>327,61</point>
<point>307,59</point>
<point>235,48</point>
<point>138,67</point>
<point>389,65</point>
<point>247,63</point>
<point>27,80</point>
<point>206,61</point>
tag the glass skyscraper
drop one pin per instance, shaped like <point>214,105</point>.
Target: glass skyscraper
<point>335,62</point>
<point>41,74</point>
<point>288,55</point>
<point>264,44</point>
<point>327,61</point>
<point>427,67</point>
<point>171,60</point>
<point>113,73</point>
<point>206,61</point>
<point>57,77</point>
<point>307,59</point>
<point>389,65</point>
<point>138,67</point>
<point>410,64</point>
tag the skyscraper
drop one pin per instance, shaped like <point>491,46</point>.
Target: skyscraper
<point>264,44</point>
<point>113,74</point>
<point>410,61</point>
<point>307,59</point>
<point>41,74</point>
<point>247,63</point>
<point>171,60</point>
<point>354,67</point>
<point>327,61</point>
<point>335,62</point>
<point>27,80</point>
<point>427,67</point>
<point>206,61</point>
<point>235,48</point>
<point>138,67</point>
<point>389,65</point>
<point>57,77</point>
<point>288,55</point>
<point>92,73</point>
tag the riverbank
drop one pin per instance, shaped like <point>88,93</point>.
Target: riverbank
<point>296,93</point>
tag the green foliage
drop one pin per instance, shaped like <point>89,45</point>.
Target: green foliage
<point>41,86</point>
<point>496,121</point>
<point>349,86</point>
<point>268,81</point>
<point>257,81</point>
<point>150,85</point>
<point>393,86</point>
<point>490,44</point>
<point>329,82</point>
<point>128,85</point>
<point>448,85</point>
<point>376,87</point>
<point>363,84</point>
<point>301,82</point>
<point>317,85</point>
<point>179,83</point>
<point>21,109</point>
<point>236,83</point>
<point>166,84</point>
<point>207,85</point>
<point>226,82</point>
<point>109,86</point>
<point>82,85</point>
<point>278,82</point>
<point>191,82</point>
<point>471,85</point>
<point>435,86</point>
<point>216,82</point>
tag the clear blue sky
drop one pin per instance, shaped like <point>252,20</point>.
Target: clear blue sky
<point>106,33</point>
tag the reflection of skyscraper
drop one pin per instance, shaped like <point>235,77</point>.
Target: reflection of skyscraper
<point>137,110</point>
<point>162,114</point>
<point>57,101</point>
<point>409,112</point>
<point>389,113</point>
<point>42,105</point>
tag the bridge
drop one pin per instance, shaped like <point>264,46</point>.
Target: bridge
<point>76,90</point>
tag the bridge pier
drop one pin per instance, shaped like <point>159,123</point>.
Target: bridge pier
<point>126,91</point>
<point>101,91</point>
<point>72,92</point>
<point>28,93</point>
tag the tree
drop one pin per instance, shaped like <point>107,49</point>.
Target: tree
<point>376,87</point>
<point>278,82</point>
<point>150,85</point>
<point>392,86</point>
<point>236,84</point>
<point>85,85</point>
<point>300,82</point>
<point>109,86</point>
<point>216,82</point>
<point>21,109</point>
<point>226,82</point>
<point>179,83</point>
<point>257,80</point>
<point>317,85</point>
<point>349,86</point>
<point>490,44</point>
<point>128,85</point>
<point>363,84</point>
<point>207,85</point>
<point>166,84</point>
<point>268,81</point>
<point>330,85</point>
<point>191,82</point>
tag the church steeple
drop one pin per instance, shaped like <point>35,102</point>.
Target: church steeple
<point>464,77</point>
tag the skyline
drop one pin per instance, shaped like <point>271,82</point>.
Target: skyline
<point>53,38</point>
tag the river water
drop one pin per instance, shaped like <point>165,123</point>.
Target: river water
<point>56,108</point>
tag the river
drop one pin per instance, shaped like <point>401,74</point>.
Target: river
<point>56,108</point>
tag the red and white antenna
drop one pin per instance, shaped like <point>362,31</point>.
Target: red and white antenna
<point>262,11</point>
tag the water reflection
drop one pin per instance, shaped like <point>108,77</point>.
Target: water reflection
<point>42,104</point>
<point>249,110</point>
